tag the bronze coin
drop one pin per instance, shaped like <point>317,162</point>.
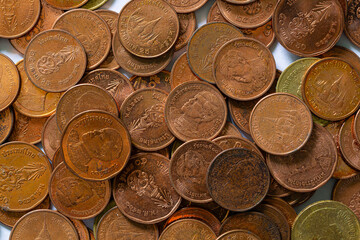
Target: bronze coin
<point>48,15</point>
<point>148,29</point>
<point>240,113</point>
<point>352,22</point>
<point>345,54</point>
<point>280,123</point>
<point>195,110</point>
<point>143,192</point>
<point>349,147</point>
<point>229,130</point>
<point>228,142</point>
<point>238,234</point>
<point>32,101</point>
<point>159,80</point>
<point>250,15</point>
<point>9,82</point>
<point>50,137</point>
<point>308,168</point>
<point>181,72</point>
<point>6,123</point>
<point>310,29</point>
<point>244,69</point>
<point>44,224</point>
<point>284,207</point>
<point>265,33</point>
<point>114,225</point>
<point>66,5</point>
<point>75,197</point>
<point>91,30</point>
<point>215,15</point>
<point>356,125</point>
<point>255,222</point>
<point>58,158</point>
<point>297,198</point>
<point>92,236</point>
<point>204,44</point>
<point>27,129</point>
<point>188,167</point>
<point>164,151</point>
<point>214,208</point>
<point>54,60</point>
<point>143,115</point>
<point>186,6</point>
<point>187,23</point>
<point>107,209</point>
<point>96,145</point>
<point>186,229</point>
<point>25,175</point>
<point>331,89</point>
<point>238,179</point>
<point>276,190</point>
<point>18,17</point>
<point>136,65</point>
<point>81,98</point>
<point>81,229</point>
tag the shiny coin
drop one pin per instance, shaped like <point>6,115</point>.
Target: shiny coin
<point>188,229</point>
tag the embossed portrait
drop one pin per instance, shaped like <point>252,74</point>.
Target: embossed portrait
<point>191,165</point>
<point>153,117</point>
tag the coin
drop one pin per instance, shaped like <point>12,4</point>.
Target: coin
<point>94,4</point>
<point>195,110</point>
<point>238,234</point>
<point>228,142</point>
<point>240,1</point>
<point>32,101</point>
<point>48,15</point>
<point>240,113</point>
<point>54,60</point>
<point>96,145</point>
<point>188,167</point>
<point>244,69</point>
<point>50,137</point>
<point>114,225</point>
<point>214,14</point>
<point>91,30</point>
<point>229,130</point>
<point>18,17</point>
<point>308,30</point>
<point>6,123</point>
<point>81,229</point>
<point>25,175</point>
<point>164,151</point>
<point>186,6</point>
<point>284,207</point>
<point>280,123</point>
<point>348,145</point>
<point>328,220</point>
<point>181,72</point>
<point>188,229</point>
<point>9,82</point>
<point>345,54</point>
<point>148,29</point>
<point>265,33</point>
<point>81,98</point>
<point>92,236</point>
<point>160,80</point>
<point>308,168</point>
<point>58,158</point>
<point>44,224</point>
<point>352,22</point>
<point>75,197</point>
<point>331,89</point>
<point>187,23</point>
<point>356,125</point>
<point>97,219</point>
<point>204,44</point>
<point>66,5</point>
<point>143,115</point>
<point>276,190</point>
<point>297,198</point>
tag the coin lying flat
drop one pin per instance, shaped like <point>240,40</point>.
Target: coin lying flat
<point>160,80</point>
<point>9,82</point>
<point>181,72</point>
<point>349,147</point>
<point>298,198</point>
<point>276,190</point>
<point>57,158</point>
<point>238,234</point>
<point>352,22</point>
<point>94,4</point>
<point>188,229</point>
<point>187,23</point>
<point>6,123</point>
<point>284,207</point>
<point>50,137</point>
<point>229,130</point>
<point>81,229</point>
<point>66,5</point>
<point>186,6</point>
<point>228,142</point>
<point>345,54</point>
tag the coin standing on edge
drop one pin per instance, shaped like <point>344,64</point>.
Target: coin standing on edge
<point>9,82</point>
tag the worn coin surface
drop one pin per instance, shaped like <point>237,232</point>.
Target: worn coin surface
<point>181,72</point>
<point>187,23</point>
<point>50,137</point>
<point>160,80</point>
<point>356,126</point>
<point>352,22</point>
<point>57,158</point>
<point>143,192</point>
<point>240,113</point>
<point>350,148</point>
<point>195,110</point>
<point>215,15</point>
<point>229,130</point>
<point>264,33</point>
<point>186,229</point>
<point>67,4</point>
<point>298,198</point>
<point>238,234</point>
<point>9,82</point>
<point>284,207</point>
<point>54,60</point>
<point>345,54</point>
<point>81,229</point>
<point>6,123</point>
<point>96,145</point>
<point>228,142</point>
<point>276,190</point>
<point>186,6</point>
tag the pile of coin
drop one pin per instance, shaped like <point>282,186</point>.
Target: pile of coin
<point>157,156</point>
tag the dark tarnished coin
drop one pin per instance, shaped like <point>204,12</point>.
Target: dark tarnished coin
<point>144,185</point>
<point>181,72</point>
<point>238,179</point>
<point>228,142</point>
<point>240,113</point>
<point>308,168</point>
<point>148,29</point>
<point>58,158</point>
<point>238,234</point>
<point>81,229</point>
<point>143,115</point>
<point>276,190</point>
<point>195,110</point>
<point>308,29</point>
<point>356,126</point>
<point>187,23</point>
<point>297,198</point>
<point>66,4</point>
<point>91,30</point>
<point>160,80</point>
<point>229,130</point>
<point>188,168</point>
<point>186,229</point>
<point>50,137</point>
<point>96,145</point>
<point>6,123</point>
<point>205,43</point>
<point>350,148</point>
<point>284,207</point>
<point>352,22</point>
<point>9,82</point>
<point>54,60</point>
<point>189,6</point>
<point>345,54</point>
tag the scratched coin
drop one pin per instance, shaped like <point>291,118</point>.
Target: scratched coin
<point>50,137</point>
<point>66,5</point>
<point>349,147</point>
<point>6,123</point>
<point>9,82</point>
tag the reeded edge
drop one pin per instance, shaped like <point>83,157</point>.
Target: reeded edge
<point>96,6</point>
<point>12,116</point>
<point>342,150</point>
<point>237,231</point>
<point>17,81</point>
<point>356,130</point>
<point>184,44</point>
<point>67,8</point>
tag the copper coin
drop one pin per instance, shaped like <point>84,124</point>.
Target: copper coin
<point>238,179</point>
<point>81,229</point>
<point>356,125</point>
<point>228,142</point>
<point>114,225</point>
<point>9,82</point>
<point>215,15</point>
<point>81,98</point>
<point>50,137</point>
<point>188,167</point>
<point>96,145</point>
<point>92,31</point>
<point>186,6</point>
<point>308,168</point>
<point>195,110</point>
<point>58,158</point>
<point>32,101</point>
<point>240,113</point>
<point>186,229</point>
<point>54,60</point>
<point>205,43</point>
<point>276,190</point>
<point>143,192</point>
<point>238,234</point>
<point>6,123</point>
<point>250,15</point>
<point>18,17</point>
<point>148,29</point>
<point>107,209</point>
<point>92,236</point>
<point>66,5</point>
<point>75,197</point>
<point>244,69</point>
<point>255,222</point>
<point>165,151</point>
<point>280,123</point>
<point>143,115</point>
<point>181,72</point>
<point>229,130</point>
<point>214,208</point>
<point>350,148</point>
<point>265,33</point>
<point>345,54</point>
<point>25,175</point>
<point>48,15</point>
<point>44,224</point>
<point>331,89</point>
<point>347,192</point>
<point>160,80</point>
<point>297,198</point>
<point>187,23</point>
<point>310,29</point>
<point>136,65</point>
<point>27,129</point>
<point>352,22</point>
<point>284,207</point>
